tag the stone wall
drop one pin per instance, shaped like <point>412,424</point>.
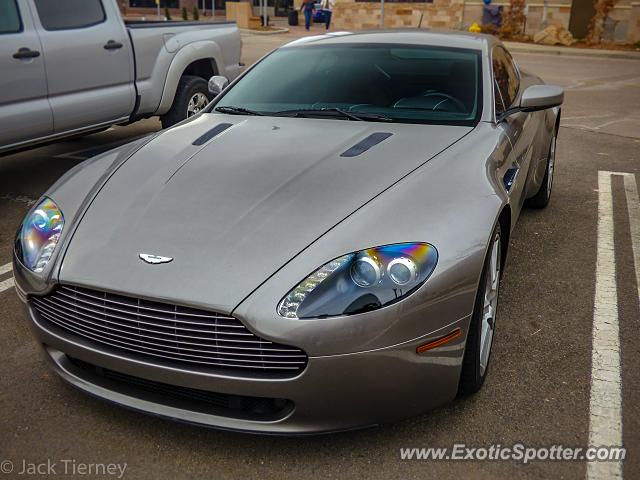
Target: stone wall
<point>557,12</point>
<point>349,15</point>
<point>446,14</point>
<point>624,25</point>
<point>634,23</point>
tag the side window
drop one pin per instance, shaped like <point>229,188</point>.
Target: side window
<point>69,14</point>
<point>507,81</point>
<point>514,77</point>
<point>9,17</point>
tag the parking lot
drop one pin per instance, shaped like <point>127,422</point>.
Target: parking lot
<point>538,391</point>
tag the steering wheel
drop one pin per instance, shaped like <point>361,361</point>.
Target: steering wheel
<point>445,98</point>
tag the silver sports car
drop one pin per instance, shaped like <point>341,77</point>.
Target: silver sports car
<point>319,249</point>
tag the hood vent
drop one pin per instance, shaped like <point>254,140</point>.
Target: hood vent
<point>365,144</point>
<point>217,130</point>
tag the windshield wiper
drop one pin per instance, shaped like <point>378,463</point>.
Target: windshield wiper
<point>237,110</point>
<point>335,113</point>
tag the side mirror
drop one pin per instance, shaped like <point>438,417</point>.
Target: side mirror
<point>217,84</point>
<point>541,97</point>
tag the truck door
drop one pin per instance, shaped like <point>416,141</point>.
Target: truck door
<point>89,62</point>
<point>25,113</point>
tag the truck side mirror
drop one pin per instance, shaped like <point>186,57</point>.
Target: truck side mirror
<point>217,84</point>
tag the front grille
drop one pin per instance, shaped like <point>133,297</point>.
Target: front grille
<point>238,406</point>
<point>167,332</point>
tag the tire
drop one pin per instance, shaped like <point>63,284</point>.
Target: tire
<point>475,363</point>
<point>189,87</point>
<point>541,199</point>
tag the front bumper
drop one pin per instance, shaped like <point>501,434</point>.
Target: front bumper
<point>336,392</point>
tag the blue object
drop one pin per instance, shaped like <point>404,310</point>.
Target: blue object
<point>492,15</point>
<point>319,15</point>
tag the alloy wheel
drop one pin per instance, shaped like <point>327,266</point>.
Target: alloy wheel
<point>551,165</point>
<point>492,286</point>
<point>198,102</point>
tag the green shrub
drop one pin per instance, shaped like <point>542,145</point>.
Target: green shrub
<point>196,13</point>
<point>185,15</point>
<point>167,14</point>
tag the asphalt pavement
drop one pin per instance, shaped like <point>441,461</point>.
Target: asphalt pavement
<point>538,390</point>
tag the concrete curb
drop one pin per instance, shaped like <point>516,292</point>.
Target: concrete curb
<point>575,52</point>
<point>260,32</point>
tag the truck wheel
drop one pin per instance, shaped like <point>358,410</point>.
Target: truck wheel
<point>192,95</point>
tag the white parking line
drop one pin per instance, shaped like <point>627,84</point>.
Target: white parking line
<point>18,198</point>
<point>605,406</point>
<point>6,284</point>
<point>633,207</point>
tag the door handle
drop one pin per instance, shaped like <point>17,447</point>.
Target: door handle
<point>112,45</point>
<point>26,53</point>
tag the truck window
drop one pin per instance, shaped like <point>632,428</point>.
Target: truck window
<point>9,17</point>
<point>69,14</point>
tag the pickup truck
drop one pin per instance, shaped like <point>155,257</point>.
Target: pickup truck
<point>70,67</point>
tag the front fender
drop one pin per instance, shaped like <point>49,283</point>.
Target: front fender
<point>73,193</point>
<point>452,202</point>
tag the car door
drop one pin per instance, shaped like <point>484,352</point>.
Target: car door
<point>89,62</point>
<point>25,113</point>
<point>516,125</point>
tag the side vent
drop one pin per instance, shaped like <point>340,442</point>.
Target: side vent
<point>365,144</point>
<point>510,177</point>
<point>217,130</point>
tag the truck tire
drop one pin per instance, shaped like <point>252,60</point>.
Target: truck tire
<point>192,95</point>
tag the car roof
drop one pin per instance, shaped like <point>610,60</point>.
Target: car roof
<point>417,36</point>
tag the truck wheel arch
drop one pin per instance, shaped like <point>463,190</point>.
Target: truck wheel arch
<point>204,68</point>
<point>197,59</point>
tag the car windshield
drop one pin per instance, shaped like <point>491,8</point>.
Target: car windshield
<point>409,84</point>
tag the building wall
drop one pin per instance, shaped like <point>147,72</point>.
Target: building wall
<point>557,12</point>
<point>460,14</point>
<point>634,23</point>
<point>350,15</point>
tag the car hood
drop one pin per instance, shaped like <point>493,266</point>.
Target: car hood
<point>234,210</point>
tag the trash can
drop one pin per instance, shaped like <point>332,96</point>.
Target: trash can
<point>293,18</point>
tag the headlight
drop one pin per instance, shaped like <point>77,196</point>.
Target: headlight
<point>39,235</point>
<point>361,281</point>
